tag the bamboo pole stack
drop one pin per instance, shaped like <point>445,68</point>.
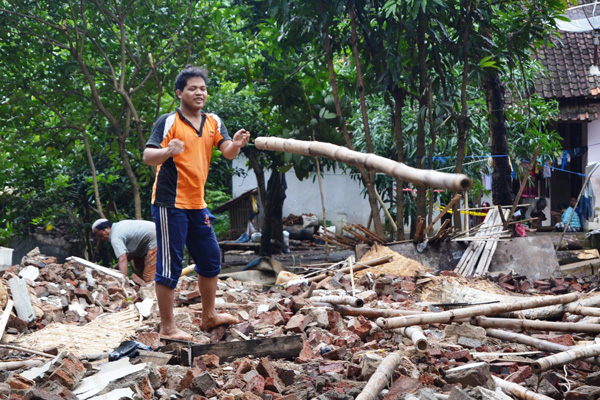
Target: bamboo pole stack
<point>478,256</point>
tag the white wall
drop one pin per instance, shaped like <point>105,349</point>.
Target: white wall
<point>344,202</point>
<point>593,154</point>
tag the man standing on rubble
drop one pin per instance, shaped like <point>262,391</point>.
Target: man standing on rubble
<point>132,240</point>
<point>181,145</point>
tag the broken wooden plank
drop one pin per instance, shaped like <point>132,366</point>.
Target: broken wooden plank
<point>287,347</point>
<point>5,316</point>
<point>155,357</point>
<point>588,267</point>
<point>99,268</point>
<point>573,256</point>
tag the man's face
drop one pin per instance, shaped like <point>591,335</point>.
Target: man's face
<point>103,235</point>
<point>572,202</point>
<point>194,94</point>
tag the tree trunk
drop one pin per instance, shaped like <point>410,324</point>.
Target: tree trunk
<point>364,173</point>
<point>399,96</point>
<point>501,175</point>
<point>272,226</point>
<point>422,115</point>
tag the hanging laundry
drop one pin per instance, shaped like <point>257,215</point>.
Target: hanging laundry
<point>547,171</point>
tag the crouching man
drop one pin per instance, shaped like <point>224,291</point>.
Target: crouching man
<point>132,240</point>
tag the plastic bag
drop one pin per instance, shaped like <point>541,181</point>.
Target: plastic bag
<point>128,348</point>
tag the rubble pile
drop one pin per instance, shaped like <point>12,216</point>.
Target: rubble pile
<point>76,333</point>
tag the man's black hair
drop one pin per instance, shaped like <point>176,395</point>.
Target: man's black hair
<point>541,202</point>
<point>188,72</point>
<point>562,206</point>
<point>104,225</point>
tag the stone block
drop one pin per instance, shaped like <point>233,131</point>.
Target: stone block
<point>476,374</point>
<point>202,383</point>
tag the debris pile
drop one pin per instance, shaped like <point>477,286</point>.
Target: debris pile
<point>72,332</point>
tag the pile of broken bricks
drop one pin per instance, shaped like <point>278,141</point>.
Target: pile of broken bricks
<point>373,337</point>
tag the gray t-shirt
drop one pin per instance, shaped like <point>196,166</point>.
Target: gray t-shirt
<point>133,237</point>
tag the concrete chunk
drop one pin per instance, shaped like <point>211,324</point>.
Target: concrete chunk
<point>20,295</point>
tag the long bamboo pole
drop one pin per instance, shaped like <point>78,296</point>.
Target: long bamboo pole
<point>366,312</point>
<point>556,360</point>
<point>380,378</point>
<point>423,177</point>
<point>525,324</point>
<point>345,300</point>
<point>488,309</point>
<point>518,390</point>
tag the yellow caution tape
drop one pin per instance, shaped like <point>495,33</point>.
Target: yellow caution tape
<point>475,213</point>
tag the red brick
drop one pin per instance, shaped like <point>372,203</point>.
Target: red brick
<point>333,367</point>
<point>460,355</point>
<point>151,339</point>
<point>306,354</point>
<point>256,385</point>
<point>520,375</point>
<point>566,340</point>
<point>19,382</point>
<point>244,366</point>
<point>408,286</point>
<point>367,296</point>
<point>144,389</point>
<point>210,360</point>
<point>250,396</point>
<point>273,318</point>
<point>190,374</point>
<point>503,368</point>
<point>298,323</point>
<point>272,380</point>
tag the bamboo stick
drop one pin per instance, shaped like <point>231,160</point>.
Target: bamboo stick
<point>345,300</point>
<point>12,365</point>
<point>423,177</point>
<point>358,267</point>
<point>587,311</point>
<point>525,324</point>
<point>488,309</point>
<point>556,360</point>
<point>416,335</point>
<point>540,344</point>
<point>443,212</point>
<point>25,350</point>
<point>367,232</point>
<point>380,378</point>
<point>372,313</point>
<point>5,316</point>
<point>518,390</point>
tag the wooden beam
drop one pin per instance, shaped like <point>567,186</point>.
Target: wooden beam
<point>287,347</point>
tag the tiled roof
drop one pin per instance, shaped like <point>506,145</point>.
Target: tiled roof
<point>569,112</point>
<point>568,64</point>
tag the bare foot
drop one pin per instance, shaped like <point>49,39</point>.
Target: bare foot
<point>219,319</point>
<point>176,334</point>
